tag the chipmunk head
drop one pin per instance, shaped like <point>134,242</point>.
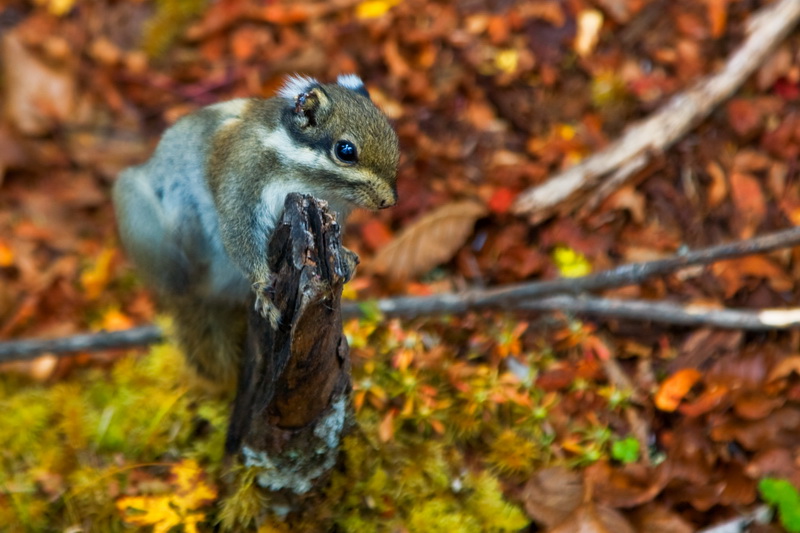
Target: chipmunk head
<point>344,146</point>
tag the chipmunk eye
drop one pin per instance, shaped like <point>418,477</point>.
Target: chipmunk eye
<point>346,152</point>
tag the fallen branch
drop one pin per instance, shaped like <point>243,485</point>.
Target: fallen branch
<point>614,165</point>
<point>507,297</point>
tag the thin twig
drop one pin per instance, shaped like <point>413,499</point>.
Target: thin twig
<point>631,274</point>
<point>129,338</point>
<point>650,137</point>
<point>531,296</point>
<point>669,313</point>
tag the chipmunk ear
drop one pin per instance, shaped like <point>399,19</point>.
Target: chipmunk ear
<point>311,108</point>
<point>352,82</point>
<point>311,104</point>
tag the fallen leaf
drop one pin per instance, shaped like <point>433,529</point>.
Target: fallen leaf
<point>115,320</point>
<point>95,279</point>
<point>374,8</point>
<point>718,15</point>
<point>57,7</point>
<point>181,507</point>
<point>501,200</point>
<point>37,95</point>
<point>734,273</point>
<point>627,486</point>
<point>744,115</point>
<point>707,401</point>
<point>657,519</point>
<point>430,241</point>
<point>717,190</point>
<point>571,263</point>
<point>386,427</point>
<point>376,234</point>
<point>6,255</point>
<point>749,201</point>
<point>593,518</point>
<point>551,495</point>
<point>590,22</point>
<point>785,367</point>
<point>674,388</point>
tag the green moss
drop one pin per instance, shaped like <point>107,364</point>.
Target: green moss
<point>434,436</point>
<point>68,449</point>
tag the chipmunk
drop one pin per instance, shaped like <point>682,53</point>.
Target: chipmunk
<point>196,218</point>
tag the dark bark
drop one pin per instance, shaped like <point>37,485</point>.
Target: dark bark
<point>292,404</point>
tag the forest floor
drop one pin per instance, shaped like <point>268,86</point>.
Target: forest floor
<point>488,421</point>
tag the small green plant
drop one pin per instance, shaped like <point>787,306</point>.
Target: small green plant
<point>626,450</point>
<point>785,498</point>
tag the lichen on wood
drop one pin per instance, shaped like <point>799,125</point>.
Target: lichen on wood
<point>293,400</point>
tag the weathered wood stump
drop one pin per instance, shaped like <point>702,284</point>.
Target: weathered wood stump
<point>293,400</point>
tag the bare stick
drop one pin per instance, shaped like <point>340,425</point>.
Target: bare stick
<point>631,274</point>
<point>669,313</point>
<point>652,136</point>
<point>505,297</point>
<point>129,338</point>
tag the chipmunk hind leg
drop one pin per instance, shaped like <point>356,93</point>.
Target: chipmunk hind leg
<point>211,334</point>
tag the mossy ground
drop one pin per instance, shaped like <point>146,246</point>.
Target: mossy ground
<point>434,435</point>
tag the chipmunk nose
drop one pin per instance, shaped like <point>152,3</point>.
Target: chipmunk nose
<point>388,202</point>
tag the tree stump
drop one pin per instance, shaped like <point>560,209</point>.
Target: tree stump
<point>292,405</point>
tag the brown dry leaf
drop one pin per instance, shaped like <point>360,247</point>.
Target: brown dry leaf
<point>749,201</point>
<point>36,94</point>
<point>430,241</point>
<point>629,199</point>
<point>626,486</point>
<point>784,368</point>
<point>552,495</point>
<point>756,405</point>
<point>711,398</point>
<point>775,67</point>
<point>778,429</point>
<point>13,152</point>
<point>718,188</point>
<point>734,273</point>
<point>658,519</point>
<point>745,116</point>
<point>593,518</point>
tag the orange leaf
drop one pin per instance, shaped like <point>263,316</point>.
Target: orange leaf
<point>6,255</point>
<point>386,427</point>
<point>707,401</point>
<point>115,320</point>
<point>749,201</point>
<point>718,15</point>
<point>675,387</point>
<point>95,279</point>
<point>376,234</point>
